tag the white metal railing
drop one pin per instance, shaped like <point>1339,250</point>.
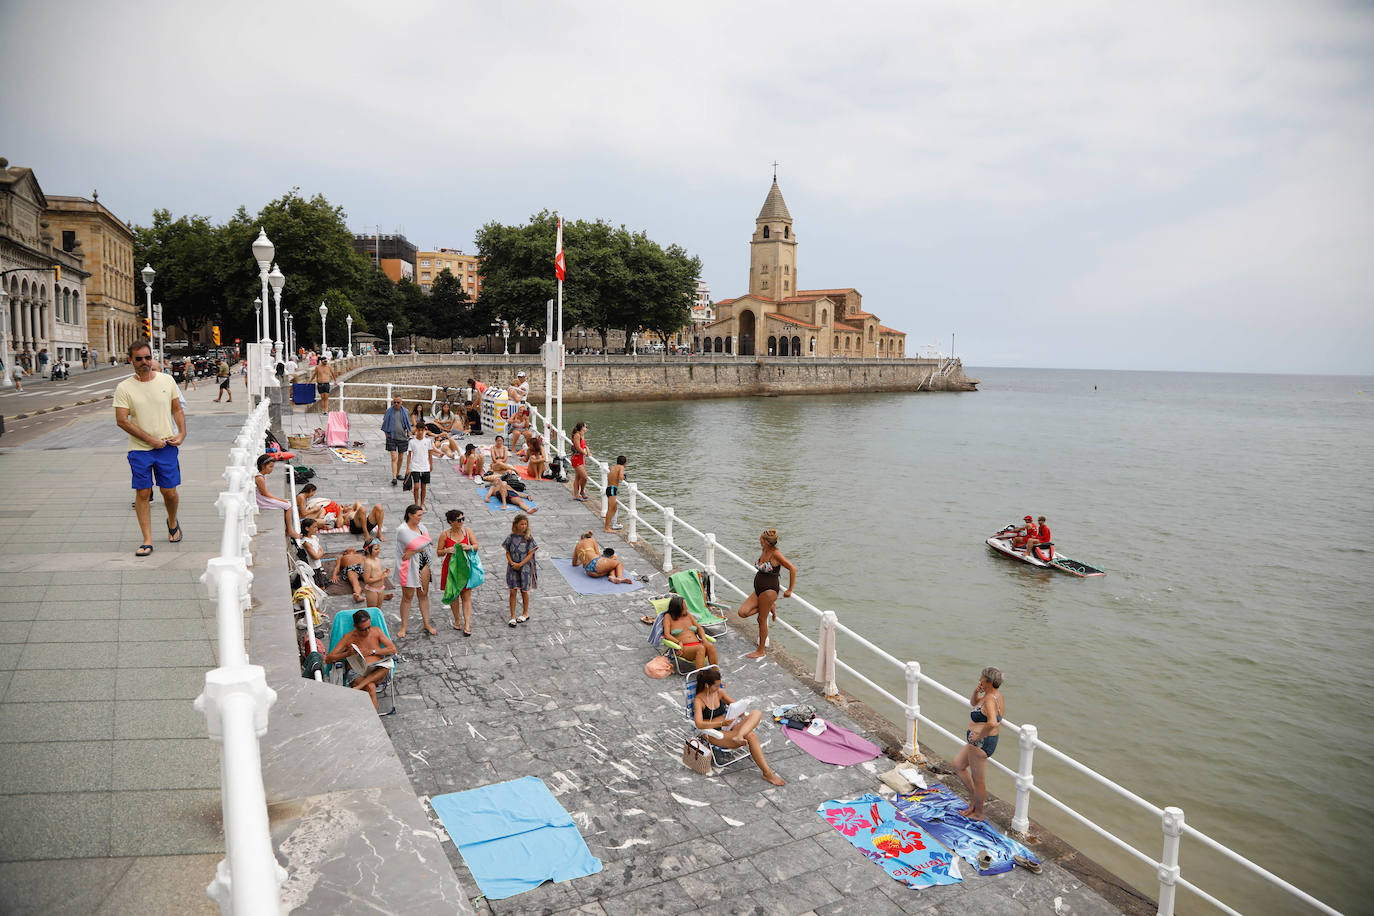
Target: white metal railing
<point>236,698</point>
<point>1172,822</point>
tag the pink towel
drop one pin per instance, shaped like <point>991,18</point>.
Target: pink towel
<point>837,745</point>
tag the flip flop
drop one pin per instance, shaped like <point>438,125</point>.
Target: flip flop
<point>174,531</point>
<point>647,620</point>
<point>1029,865</point>
<point>144,550</point>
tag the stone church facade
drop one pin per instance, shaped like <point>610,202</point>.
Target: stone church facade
<point>778,318</point>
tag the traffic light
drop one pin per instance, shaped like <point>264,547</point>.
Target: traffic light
<point>57,273</point>
<point>214,333</point>
<point>148,328</point>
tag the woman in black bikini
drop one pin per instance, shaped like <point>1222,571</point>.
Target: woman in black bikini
<point>708,711</point>
<point>767,581</point>
<point>985,721</point>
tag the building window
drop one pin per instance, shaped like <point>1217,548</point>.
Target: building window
<point>836,345</point>
<point>763,284</point>
<point>786,285</point>
<point>787,232</point>
<point>822,316</point>
<point>786,268</point>
<point>765,232</point>
<point>68,240</point>
<point>813,345</point>
<point>424,263</point>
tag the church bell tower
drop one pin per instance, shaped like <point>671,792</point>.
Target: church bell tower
<point>773,250</point>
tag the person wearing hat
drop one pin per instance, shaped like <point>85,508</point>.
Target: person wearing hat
<point>520,388</point>
<point>1024,536</point>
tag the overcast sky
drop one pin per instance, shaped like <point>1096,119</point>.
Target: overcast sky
<point>1137,186</point>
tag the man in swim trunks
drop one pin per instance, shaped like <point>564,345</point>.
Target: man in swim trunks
<point>371,643</point>
<point>1023,534</point>
<point>222,374</point>
<point>323,377</point>
<point>614,478</point>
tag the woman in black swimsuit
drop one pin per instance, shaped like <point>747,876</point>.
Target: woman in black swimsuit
<point>767,581</point>
<point>708,712</point>
<point>985,720</point>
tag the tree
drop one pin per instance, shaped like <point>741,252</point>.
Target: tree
<point>187,255</point>
<point>450,309</point>
<point>615,278</point>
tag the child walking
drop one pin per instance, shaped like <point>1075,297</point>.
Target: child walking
<point>418,454</point>
<point>522,574</point>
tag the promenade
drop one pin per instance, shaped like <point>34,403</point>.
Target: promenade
<point>109,787</point>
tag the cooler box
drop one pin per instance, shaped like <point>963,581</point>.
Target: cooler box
<point>303,393</point>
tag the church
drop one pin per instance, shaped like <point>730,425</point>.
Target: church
<point>778,318</point>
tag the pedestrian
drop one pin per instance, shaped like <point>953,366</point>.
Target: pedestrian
<point>148,407</point>
<point>190,376</point>
<point>767,580</point>
<point>396,427</point>
<point>458,554</point>
<point>522,573</point>
<point>85,357</point>
<point>419,451</point>
<point>614,478</point>
<point>323,377</point>
<point>42,361</point>
<point>413,568</point>
<point>980,741</point>
<point>580,451</point>
<point>222,373</point>
<point>16,372</point>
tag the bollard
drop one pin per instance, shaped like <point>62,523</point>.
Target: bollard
<point>1025,778</point>
<point>912,749</point>
<point>667,540</point>
<point>631,534</point>
<point>605,500</point>
<point>825,655</point>
<point>1168,868</point>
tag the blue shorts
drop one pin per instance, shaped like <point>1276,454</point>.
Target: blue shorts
<point>159,462</point>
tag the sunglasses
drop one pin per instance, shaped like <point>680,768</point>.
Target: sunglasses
<point>143,359</point>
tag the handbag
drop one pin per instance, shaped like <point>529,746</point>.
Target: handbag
<point>406,485</point>
<point>696,753</point>
<point>477,574</point>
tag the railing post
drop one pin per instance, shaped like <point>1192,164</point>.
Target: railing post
<point>388,398</point>
<point>1025,778</point>
<point>631,533</point>
<point>343,400</point>
<point>667,540</point>
<point>711,560</point>
<point>825,654</point>
<point>912,749</point>
<point>1168,867</point>
<point>605,501</point>
<point>433,393</point>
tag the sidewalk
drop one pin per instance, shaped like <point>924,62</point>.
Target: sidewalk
<point>564,697</point>
<point>109,787</point>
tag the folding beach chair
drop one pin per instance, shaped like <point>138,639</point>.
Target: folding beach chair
<point>722,757</point>
<point>341,673</point>
<point>694,587</point>
<point>664,643</point>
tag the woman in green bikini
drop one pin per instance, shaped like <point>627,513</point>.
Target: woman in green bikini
<point>681,627</point>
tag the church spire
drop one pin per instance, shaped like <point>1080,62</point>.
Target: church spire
<point>774,207</point>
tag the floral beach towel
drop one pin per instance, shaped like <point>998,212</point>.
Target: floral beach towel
<point>885,836</point>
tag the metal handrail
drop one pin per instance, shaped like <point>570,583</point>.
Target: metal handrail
<point>236,698</point>
<point>1167,868</point>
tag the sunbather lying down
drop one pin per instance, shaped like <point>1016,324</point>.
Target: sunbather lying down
<point>502,491</point>
<point>598,563</point>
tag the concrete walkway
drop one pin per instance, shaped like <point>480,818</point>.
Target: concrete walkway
<point>565,698</point>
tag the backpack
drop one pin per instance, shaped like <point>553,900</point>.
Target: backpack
<point>513,480</point>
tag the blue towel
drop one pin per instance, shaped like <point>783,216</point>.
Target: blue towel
<point>514,836</point>
<point>577,577</point>
<point>494,503</point>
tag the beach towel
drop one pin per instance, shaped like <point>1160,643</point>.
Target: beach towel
<point>687,584</point>
<point>349,455</point>
<point>837,745</point>
<point>494,502</point>
<point>336,428</point>
<point>514,836</point>
<point>584,584</point>
<point>936,810</point>
<point>885,836</point>
<point>524,471</point>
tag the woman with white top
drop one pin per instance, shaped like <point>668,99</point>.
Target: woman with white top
<point>413,568</point>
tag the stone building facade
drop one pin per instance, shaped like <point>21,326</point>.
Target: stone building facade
<point>113,311</point>
<point>464,267</point>
<point>778,318</point>
<point>45,306</point>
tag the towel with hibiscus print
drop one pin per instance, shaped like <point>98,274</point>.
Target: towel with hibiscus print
<point>884,835</point>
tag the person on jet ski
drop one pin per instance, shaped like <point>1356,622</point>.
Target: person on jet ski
<point>1023,536</point>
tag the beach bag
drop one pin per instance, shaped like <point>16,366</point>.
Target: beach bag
<point>799,717</point>
<point>513,480</point>
<point>696,753</point>
<point>478,575</point>
<point>303,473</point>
<point>317,438</point>
<point>336,428</point>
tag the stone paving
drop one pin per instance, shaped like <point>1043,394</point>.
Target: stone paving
<point>564,697</point>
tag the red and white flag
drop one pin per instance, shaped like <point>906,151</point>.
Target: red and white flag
<point>560,266</point>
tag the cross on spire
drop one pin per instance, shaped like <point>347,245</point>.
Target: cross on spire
<point>775,170</point>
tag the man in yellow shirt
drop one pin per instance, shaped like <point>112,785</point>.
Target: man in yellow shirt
<point>148,407</point>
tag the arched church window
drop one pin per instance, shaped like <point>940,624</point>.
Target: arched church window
<point>796,346</point>
<point>786,285</point>
<point>763,269</point>
<point>787,232</point>
<point>787,268</point>
<point>772,346</point>
<point>765,232</point>
<point>813,345</point>
<point>836,345</point>
<point>763,284</point>
<point>822,316</point>
<point>870,332</point>
<point>719,347</point>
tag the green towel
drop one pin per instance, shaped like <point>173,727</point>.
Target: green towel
<point>459,570</point>
<point>687,585</point>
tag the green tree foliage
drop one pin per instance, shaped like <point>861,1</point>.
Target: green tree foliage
<point>450,310</point>
<point>615,279</point>
<point>189,259</point>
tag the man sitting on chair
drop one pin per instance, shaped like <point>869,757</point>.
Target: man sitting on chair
<point>376,650</point>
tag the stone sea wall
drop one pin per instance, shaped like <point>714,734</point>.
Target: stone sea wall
<point>651,378</point>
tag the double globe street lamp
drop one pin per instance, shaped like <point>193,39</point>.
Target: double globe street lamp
<point>389,328</point>
<point>263,252</point>
<point>276,279</point>
<point>348,320</point>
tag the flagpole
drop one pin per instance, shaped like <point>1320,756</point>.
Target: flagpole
<point>559,254</point>
<point>548,374</point>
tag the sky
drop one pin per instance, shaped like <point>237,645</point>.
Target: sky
<point>1172,185</point>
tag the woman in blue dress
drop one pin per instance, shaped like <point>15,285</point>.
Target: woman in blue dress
<point>522,574</point>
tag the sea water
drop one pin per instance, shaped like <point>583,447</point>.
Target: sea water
<point>1222,665</point>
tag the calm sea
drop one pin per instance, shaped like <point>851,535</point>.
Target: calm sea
<point>1222,666</point>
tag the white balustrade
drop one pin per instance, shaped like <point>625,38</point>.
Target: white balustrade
<point>667,540</point>
<point>605,482</point>
<point>632,529</point>
<point>912,748</point>
<point>1025,779</point>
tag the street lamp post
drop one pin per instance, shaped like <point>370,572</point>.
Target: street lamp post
<point>324,333</point>
<point>148,273</point>
<point>389,327</point>
<point>7,380</point>
<point>634,343</point>
<point>348,320</point>
<point>257,318</point>
<point>505,336</point>
<point>277,280</point>
<point>290,342</point>
<point>263,252</point>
